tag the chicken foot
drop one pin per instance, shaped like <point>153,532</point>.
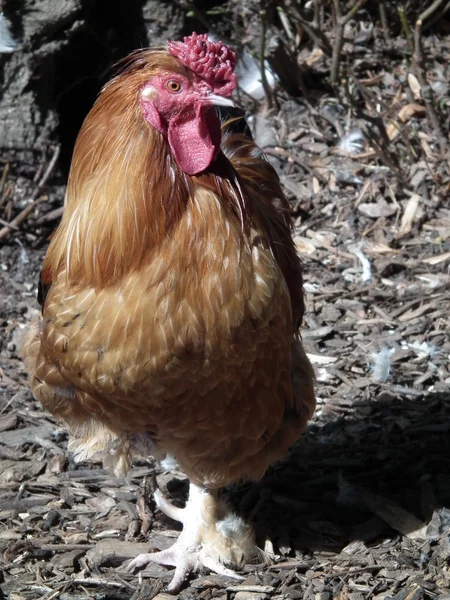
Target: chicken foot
<point>211,537</point>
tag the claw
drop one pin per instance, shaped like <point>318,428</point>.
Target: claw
<point>164,557</point>
<point>220,569</point>
<point>182,571</point>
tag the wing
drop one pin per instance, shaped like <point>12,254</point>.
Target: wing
<point>271,210</point>
<point>44,286</point>
<point>269,207</point>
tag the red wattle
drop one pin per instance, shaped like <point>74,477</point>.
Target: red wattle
<point>194,137</point>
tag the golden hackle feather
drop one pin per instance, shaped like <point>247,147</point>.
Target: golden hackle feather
<point>271,211</point>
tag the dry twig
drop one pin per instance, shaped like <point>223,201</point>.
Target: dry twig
<point>340,23</point>
<point>383,19</point>
<point>419,68</point>
<point>312,29</point>
<point>52,215</point>
<point>405,26</point>
<point>262,59</point>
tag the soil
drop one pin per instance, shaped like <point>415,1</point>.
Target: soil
<point>360,508</point>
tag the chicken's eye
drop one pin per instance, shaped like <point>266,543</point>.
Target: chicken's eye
<point>173,86</point>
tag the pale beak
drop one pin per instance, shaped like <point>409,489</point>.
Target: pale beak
<point>219,100</point>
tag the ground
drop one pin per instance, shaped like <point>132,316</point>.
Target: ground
<point>360,508</point>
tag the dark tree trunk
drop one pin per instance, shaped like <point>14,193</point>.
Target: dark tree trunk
<point>65,52</point>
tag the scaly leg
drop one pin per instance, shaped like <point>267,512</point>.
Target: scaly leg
<point>210,538</point>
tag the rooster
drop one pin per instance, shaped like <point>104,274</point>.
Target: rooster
<point>171,297</point>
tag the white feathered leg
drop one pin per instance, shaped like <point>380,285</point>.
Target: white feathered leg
<point>204,541</point>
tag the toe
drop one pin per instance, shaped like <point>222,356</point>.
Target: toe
<point>216,567</point>
<point>137,563</point>
<point>167,507</point>
<point>165,557</point>
<point>186,565</point>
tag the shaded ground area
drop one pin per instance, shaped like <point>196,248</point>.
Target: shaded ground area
<point>360,508</point>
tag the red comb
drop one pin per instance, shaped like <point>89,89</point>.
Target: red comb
<point>213,62</point>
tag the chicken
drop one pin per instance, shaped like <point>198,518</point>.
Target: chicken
<point>172,295</point>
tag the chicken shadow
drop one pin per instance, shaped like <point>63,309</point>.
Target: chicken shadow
<point>343,477</point>
<point>340,482</point>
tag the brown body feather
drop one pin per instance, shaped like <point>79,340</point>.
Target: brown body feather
<point>172,300</point>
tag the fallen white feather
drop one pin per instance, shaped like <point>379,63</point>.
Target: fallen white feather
<point>381,366</point>
<point>248,73</point>
<point>366,275</point>
<point>7,43</point>
<point>249,76</point>
<point>351,143</point>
